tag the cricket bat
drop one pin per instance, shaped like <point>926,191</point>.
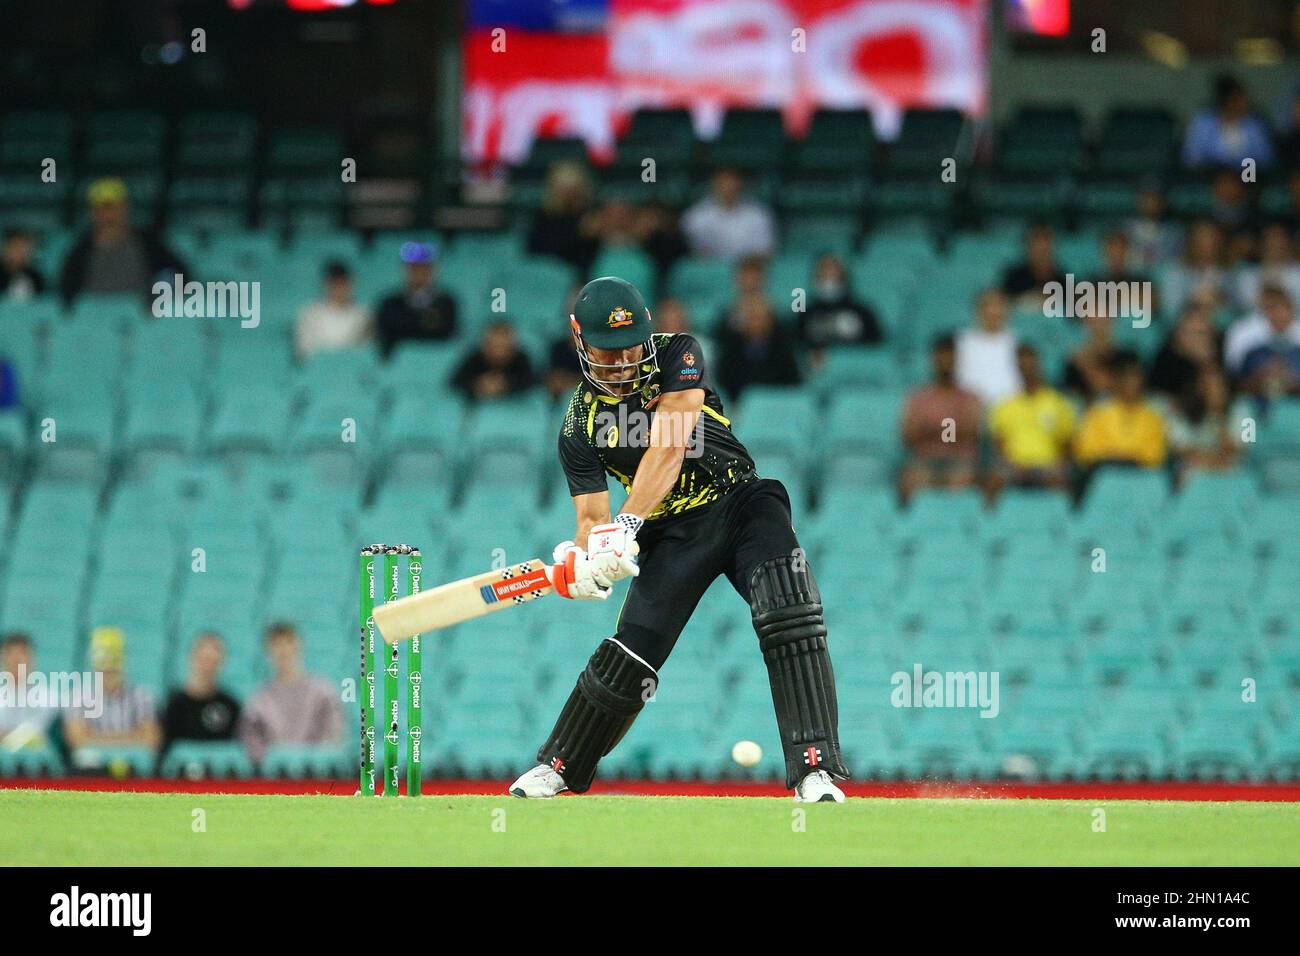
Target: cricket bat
<point>463,600</point>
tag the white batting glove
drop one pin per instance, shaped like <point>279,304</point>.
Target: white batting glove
<point>573,576</point>
<point>612,548</point>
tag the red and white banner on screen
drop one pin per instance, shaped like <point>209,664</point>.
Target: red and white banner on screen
<point>708,55</point>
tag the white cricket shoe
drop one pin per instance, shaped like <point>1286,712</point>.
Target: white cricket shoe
<point>541,783</point>
<point>818,787</point>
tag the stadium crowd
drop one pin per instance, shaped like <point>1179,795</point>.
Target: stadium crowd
<point>293,708</point>
<point>990,414</point>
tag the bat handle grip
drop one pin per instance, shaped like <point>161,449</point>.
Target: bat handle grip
<point>561,574</point>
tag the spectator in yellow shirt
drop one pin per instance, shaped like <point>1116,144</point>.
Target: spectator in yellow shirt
<point>1031,431</point>
<point>1124,428</point>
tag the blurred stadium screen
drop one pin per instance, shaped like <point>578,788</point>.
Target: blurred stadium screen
<point>1043,17</point>
<point>583,72</point>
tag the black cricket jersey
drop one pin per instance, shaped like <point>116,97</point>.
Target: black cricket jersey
<point>603,435</point>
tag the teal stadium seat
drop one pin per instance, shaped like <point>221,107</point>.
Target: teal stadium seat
<point>853,367</point>
<point>216,140</point>
<point>250,419</point>
<point>221,760</point>
<point>122,141</point>
<point>836,141</point>
<point>752,139</point>
<point>861,432</point>
<point>1137,141</point>
<point>630,264</point>
<point>1282,754</point>
<point>308,762</point>
<point>705,283</point>
<point>29,136</point>
<point>38,761</point>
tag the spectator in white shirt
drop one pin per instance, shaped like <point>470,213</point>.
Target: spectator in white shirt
<point>986,353</point>
<point>22,724</point>
<point>1265,337</point>
<point>728,225</point>
<point>335,321</point>
<point>1199,276</point>
<point>1277,266</point>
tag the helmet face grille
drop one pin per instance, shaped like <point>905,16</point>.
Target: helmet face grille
<point>646,367</point>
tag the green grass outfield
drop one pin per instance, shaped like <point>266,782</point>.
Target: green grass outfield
<point>46,827</point>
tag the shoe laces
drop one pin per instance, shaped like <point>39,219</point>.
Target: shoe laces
<point>821,775</point>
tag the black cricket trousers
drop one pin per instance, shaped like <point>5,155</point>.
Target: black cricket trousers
<point>681,557</point>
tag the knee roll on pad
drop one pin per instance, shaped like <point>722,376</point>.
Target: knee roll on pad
<point>600,710</point>
<point>787,610</point>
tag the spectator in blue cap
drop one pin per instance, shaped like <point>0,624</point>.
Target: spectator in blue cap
<point>421,311</point>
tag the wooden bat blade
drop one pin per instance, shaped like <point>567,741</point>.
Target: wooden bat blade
<point>463,600</point>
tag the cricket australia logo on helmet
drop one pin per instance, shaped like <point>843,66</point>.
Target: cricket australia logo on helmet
<point>619,318</point>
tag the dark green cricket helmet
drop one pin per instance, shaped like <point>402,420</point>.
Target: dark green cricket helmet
<point>609,314</point>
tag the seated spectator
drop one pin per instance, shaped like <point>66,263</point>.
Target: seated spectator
<point>113,256</point>
<point>1263,350</point>
<point>749,279</point>
<point>940,429</point>
<point>1032,432</point>
<point>1153,238</point>
<point>728,225</point>
<point>1233,210</point>
<point>1200,274</point>
<point>1205,425</point>
<point>1087,372</point>
<point>661,237</point>
<point>1124,428</point>
<point>19,278</point>
<point>294,708</point>
<point>833,316</point>
<point>1291,215</point>
<point>760,352</point>
<point>335,321</point>
<point>497,368</point>
<point>1288,126</point>
<point>566,226</point>
<point>1116,269</point>
<point>29,725</point>
<point>1193,346</point>
<point>1229,132</point>
<point>422,311</point>
<point>1025,280</point>
<point>201,709</point>
<point>1117,261</point>
<point>1277,266</point>
<point>8,385</point>
<point>671,317</point>
<point>617,225</point>
<point>563,371</point>
<point>986,353</point>
<point>128,717</point>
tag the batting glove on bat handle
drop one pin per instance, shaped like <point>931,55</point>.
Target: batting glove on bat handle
<point>613,548</point>
<point>573,577</point>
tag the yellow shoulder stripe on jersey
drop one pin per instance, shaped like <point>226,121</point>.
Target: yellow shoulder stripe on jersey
<point>712,414</point>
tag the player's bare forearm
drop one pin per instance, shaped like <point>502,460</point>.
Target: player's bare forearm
<point>591,511</point>
<point>674,424</point>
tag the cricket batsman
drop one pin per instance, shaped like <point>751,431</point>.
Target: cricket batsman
<point>695,509</point>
